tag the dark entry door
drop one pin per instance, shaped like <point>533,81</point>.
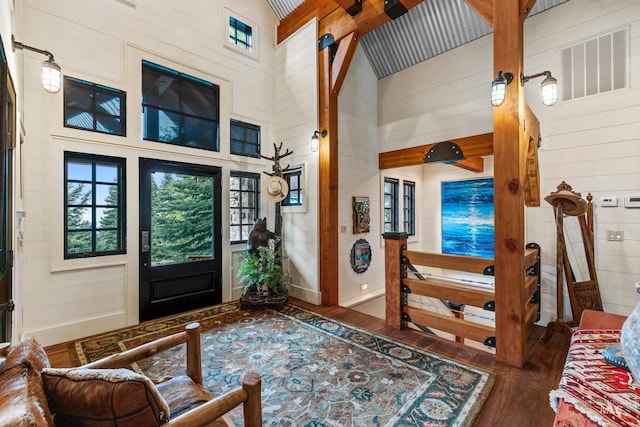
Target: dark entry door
<point>7,141</point>
<point>180,237</point>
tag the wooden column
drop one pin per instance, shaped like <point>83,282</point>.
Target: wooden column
<point>509,166</point>
<point>393,243</point>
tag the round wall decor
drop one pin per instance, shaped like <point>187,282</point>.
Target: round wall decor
<point>360,256</point>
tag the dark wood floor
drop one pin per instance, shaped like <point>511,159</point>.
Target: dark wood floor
<point>520,397</point>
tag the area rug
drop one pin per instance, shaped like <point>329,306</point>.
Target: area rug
<point>316,372</point>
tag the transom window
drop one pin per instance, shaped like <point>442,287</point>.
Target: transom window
<point>179,109</point>
<point>391,202</point>
<point>94,107</point>
<point>240,34</point>
<point>94,203</point>
<point>245,139</point>
<point>294,196</point>
<point>409,207</point>
<point>244,194</point>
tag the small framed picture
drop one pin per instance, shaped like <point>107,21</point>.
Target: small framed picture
<point>361,217</point>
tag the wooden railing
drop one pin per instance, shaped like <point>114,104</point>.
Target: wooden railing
<point>398,285</point>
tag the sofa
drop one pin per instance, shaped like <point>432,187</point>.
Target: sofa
<point>106,393</point>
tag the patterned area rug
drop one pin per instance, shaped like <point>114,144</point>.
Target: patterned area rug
<point>316,372</point>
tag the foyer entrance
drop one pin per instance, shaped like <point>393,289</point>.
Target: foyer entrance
<point>180,237</point>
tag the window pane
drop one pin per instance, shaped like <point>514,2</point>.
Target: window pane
<point>107,173</point>
<point>79,218</point>
<point>107,240</point>
<point>243,202</point>
<point>234,183</point>
<point>78,194</point>
<point>79,242</point>
<point>107,217</point>
<point>79,171</point>
<point>200,133</point>
<point>93,107</point>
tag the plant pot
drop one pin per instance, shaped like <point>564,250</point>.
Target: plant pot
<point>253,299</point>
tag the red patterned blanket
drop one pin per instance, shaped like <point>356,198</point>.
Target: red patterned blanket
<point>597,389</point>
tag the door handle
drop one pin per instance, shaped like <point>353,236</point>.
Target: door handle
<point>144,241</point>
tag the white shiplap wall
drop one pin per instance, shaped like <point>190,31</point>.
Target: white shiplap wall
<point>592,143</point>
<point>296,106</point>
<point>104,42</point>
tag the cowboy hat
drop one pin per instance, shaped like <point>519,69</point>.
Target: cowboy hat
<point>275,189</point>
<point>572,203</point>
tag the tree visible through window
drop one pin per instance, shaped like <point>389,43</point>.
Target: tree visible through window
<point>243,204</point>
<point>94,205</point>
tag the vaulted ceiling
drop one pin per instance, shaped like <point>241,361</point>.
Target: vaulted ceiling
<point>426,30</point>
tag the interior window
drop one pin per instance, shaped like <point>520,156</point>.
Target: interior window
<point>94,107</point>
<point>244,195</point>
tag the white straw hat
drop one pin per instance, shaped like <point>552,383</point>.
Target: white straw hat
<point>275,189</point>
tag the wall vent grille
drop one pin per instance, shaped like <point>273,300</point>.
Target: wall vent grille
<point>595,66</point>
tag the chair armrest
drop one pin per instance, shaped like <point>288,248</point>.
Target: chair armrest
<point>191,336</point>
<point>249,396</point>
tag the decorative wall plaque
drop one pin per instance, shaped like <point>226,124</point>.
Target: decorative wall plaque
<point>361,216</point>
<point>360,256</point>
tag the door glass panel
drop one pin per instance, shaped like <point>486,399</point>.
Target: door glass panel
<point>181,218</point>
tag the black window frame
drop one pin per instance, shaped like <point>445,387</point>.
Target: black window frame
<point>409,207</point>
<point>151,123</point>
<point>255,194</point>
<point>393,224</point>
<point>247,129</point>
<point>121,207</point>
<point>238,27</point>
<point>93,91</point>
<point>297,191</point>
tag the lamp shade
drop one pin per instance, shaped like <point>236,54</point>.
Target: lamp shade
<point>51,76</point>
<point>315,142</point>
<point>549,91</point>
<point>499,88</point>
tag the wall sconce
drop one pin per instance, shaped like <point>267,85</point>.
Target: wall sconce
<point>315,140</point>
<point>549,87</point>
<point>51,73</point>
<point>499,88</point>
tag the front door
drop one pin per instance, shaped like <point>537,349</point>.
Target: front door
<point>7,141</point>
<point>180,237</point>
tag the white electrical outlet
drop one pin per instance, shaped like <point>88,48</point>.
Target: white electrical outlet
<point>615,235</point>
<point>364,286</point>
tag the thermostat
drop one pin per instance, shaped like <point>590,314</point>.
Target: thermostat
<point>632,201</point>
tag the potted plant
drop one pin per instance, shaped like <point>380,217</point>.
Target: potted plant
<point>262,276</point>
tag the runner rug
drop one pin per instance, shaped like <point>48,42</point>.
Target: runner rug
<point>316,372</point>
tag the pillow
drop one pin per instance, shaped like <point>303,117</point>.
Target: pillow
<point>103,397</point>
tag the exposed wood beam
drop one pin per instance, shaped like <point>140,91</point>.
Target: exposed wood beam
<point>342,60</point>
<point>484,9</point>
<point>471,146</point>
<point>473,164</point>
<point>304,13</point>
<point>525,8</point>
<point>339,23</point>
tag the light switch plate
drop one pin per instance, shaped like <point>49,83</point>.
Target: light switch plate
<point>608,201</point>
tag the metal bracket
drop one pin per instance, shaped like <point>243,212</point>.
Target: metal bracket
<point>489,270</point>
<point>324,41</point>
<point>445,151</point>
<point>490,306</point>
<point>405,317</point>
<point>354,9</point>
<point>491,342</point>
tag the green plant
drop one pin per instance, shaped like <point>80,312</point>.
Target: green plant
<point>262,270</point>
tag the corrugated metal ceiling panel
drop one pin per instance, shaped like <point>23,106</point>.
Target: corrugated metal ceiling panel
<point>427,30</point>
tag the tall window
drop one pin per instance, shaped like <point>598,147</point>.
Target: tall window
<point>94,203</point>
<point>409,207</point>
<point>179,109</point>
<point>240,34</point>
<point>391,202</point>
<point>245,139</point>
<point>94,107</point>
<point>294,196</point>
<point>244,194</point>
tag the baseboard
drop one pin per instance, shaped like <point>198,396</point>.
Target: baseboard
<point>364,297</point>
<point>305,294</point>
<point>62,333</point>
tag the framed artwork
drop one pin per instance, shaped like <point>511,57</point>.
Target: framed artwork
<point>361,216</point>
<point>360,256</point>
<point>467,218</point>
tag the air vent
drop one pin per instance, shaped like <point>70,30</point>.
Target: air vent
<point>595,66</point>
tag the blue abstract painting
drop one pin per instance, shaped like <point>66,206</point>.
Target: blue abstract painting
<point>467,217</point>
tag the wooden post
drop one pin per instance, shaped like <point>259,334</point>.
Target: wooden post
<point>509,157</point>
<point>251,384</point>
<point>393,243</point>
<point>194,358</point>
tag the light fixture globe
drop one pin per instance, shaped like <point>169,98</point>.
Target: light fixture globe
<point>51,76</point>
<point>549,91</point>
<point>499,88</point>
<point>315,142</point>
